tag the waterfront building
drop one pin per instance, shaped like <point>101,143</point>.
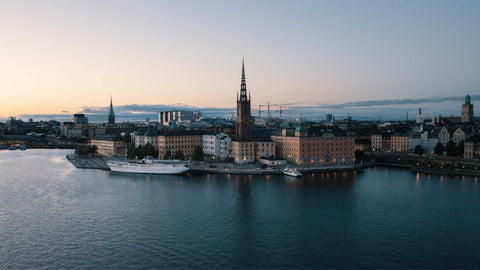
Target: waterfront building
<point>426,140</point>
<point>376,142</point>
<point>151,137</point>
<point>264,150</point>
<point>399,143</point>
<point>444,136</point>
<point>243,151</point>
<point>362,144</point>
<point>243,148</point>
<point>317,146</point>
<point>144,136</point>
<point>218,145</point>
<point>79,118</point>
<point>244,119</point>
<point>472,147</point>
<point>467,110</point>
<point>461,134</point>
<point>111,114</point>
<point>174,141</point>
<point>110,145</point>
<point>386,141</point>
<point>138,137</point>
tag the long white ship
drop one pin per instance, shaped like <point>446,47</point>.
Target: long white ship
<point>149,165</point>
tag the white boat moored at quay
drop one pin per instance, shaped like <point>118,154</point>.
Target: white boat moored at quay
<point>292,172</point>
<point>149,165</point>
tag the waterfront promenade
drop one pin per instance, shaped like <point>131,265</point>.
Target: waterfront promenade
<point>99,162</point>
<point>461,166</point>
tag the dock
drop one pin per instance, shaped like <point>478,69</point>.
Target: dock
<point>88,162</point>
<point>100,162</point>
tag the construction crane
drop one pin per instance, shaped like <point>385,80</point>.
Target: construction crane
<point>280,110</point>
<point>259,110</point>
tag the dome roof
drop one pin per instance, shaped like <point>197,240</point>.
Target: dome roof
<point>151,132</point>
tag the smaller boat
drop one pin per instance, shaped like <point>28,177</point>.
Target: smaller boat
<point>292,172</point>
<point>23,147</point>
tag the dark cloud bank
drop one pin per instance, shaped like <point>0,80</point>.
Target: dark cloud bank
<point>388,109</point>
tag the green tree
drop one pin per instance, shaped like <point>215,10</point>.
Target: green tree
<point>179,155</point>
<point>460,149</point>
<point>438,149</point>
<point>131,152</point>
<point>418,150</point>
<point>198,153</point>
<point>149,150</point>
<point>127,138</point>
<point>167,155</point>
<point>140,152</point>
<point>451,149</point>
<point>83,151</point>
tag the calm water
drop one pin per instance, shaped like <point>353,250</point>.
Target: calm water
<point>55,216</point>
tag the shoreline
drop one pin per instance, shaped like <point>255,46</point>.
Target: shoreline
<point>99,162</point>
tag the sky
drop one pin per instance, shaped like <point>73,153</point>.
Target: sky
<point>361,58</point>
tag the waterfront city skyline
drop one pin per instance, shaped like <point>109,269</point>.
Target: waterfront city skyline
<point>368,59</point>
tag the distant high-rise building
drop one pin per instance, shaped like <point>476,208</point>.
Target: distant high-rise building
<point>79,118</point>
<point>467,110</point>
<point>166,118</point>
<point>328,117</point>
<point>244,118</point>
<point>111,114</point>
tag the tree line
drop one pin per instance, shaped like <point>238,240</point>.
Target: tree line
<point>452,149</point>
<point>87,150</point>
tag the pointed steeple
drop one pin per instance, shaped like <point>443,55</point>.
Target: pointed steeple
<point>243,124</point>
<point>243,71</point>
<point>111,114</point>
<point>243,85</point>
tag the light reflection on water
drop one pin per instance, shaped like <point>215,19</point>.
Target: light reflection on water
<point>56,216</point>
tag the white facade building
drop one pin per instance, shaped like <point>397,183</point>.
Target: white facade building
<point>376,142</point>
<point>444,136</point>
<point>428,119</point>
<point>217,145</point>
<point>461,134</point>
<point>165,118</point>
<point>427,143</point>
<point>142,137</point>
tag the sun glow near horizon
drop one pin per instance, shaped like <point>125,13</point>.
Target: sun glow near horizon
<point>62,56</point>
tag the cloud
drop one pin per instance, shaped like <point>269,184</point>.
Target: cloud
<point>387,102</point>
<point>393,109</point>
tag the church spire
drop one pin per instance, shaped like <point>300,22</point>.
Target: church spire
<point>243,85</point>
<point>243,71</point>
<point>111,114</point>
<point>244,119</point>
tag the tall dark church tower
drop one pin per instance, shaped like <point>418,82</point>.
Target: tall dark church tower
<point>111,114</point>
<point>467,110</point>
<point>244,117</point>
